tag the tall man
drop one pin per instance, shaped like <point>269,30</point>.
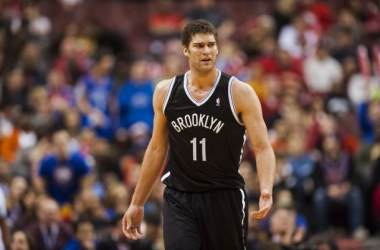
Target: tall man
<point>201,117</point>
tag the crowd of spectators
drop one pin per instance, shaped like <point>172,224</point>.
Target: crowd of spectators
<point>76,117</point>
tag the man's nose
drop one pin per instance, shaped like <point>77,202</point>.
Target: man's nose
<point>206,50</point>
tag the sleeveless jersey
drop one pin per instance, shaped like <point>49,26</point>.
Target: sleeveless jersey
<point>206,138</point>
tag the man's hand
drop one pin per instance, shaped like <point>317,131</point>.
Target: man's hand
<point>132,222</point>
<point>264,205</point>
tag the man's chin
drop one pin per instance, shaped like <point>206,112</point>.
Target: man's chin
<point>206,68</point>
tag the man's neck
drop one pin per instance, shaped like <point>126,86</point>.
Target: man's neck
<point>202,80</point>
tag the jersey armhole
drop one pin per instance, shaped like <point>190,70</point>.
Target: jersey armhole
<point>168,94</point>
<point>231,100</point>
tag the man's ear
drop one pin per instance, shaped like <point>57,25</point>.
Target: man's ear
<point>185,50</point>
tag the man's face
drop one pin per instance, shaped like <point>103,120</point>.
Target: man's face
<point>61,141</point>
<point>48,212</point>
<point>19,241</point>
<point>202,52</point>
<point>85,232</point>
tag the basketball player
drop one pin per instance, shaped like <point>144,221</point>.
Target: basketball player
<point>200,120</point>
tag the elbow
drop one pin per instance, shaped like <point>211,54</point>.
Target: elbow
<point>263,148</point>
<point>158,149</point>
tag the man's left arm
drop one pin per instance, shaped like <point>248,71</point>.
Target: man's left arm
<point>249,111</point>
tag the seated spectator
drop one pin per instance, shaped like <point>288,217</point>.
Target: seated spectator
<point>94,95</point>
<point>71,63</point>
<point>151,234</point>
<point>43,120</point>
<point>71,123</point>
<point>283,13</point>
<point>116,239</point>
<point>9,144</point>
<point>32,64</point>
<point>368,116</point>
<point>84,236</point>
<point>48,232</point>
<point>4,230</point>
<point>15,90</point>
<point>61,173</point>
<point>297,39</point>
<point>17,189</point>
<point>251,181</point>
<point>280,137</point>
<point>209,10</point>
<point>135,107</point>
<point>322,241</point>
<point>321,12</point>
<point>323,74</point>
<point>286,63</point>
<point>28,210</point>
<point>344,46</point>
<point>231,58</point>
<point>88,205</point>
<point>346,21</point>
<point>21,241</point>
<point>5,176</point>
<point>27,139</point>
<point>135,98</point>
<point>366,159</point>
<point>165,22</point>
<point>257,81</point>
<point>286,227</point>
<point>61,95</point>
<point>302,165</point>
<point>118,198</point>
<point>334,184</point>
<point>39,25</point>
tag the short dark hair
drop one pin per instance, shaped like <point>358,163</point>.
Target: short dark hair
<point>321,239</point>
<point>199,26</point>
<point>83,219</point>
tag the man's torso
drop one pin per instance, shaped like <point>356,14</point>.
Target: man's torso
<point>205,138</point>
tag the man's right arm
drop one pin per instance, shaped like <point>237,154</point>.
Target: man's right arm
<point>151,166</point>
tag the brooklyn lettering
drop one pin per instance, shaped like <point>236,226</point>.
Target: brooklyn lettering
<point>197,120</point>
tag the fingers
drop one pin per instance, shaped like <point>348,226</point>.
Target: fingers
<point>133,233</point>
<point>125,226</point>
<point>261,213</point>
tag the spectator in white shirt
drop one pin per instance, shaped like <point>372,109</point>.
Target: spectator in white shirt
<point>322,72</point>
<point>297,39</point>
<point>4,231</point>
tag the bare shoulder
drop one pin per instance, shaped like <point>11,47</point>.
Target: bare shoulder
<point>243,95</point>
<point>160,92</point>
<point>163,87</point>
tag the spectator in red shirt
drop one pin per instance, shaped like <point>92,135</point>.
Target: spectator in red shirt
<point>165,22</point>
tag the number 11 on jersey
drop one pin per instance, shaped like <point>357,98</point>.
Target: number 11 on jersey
<point>203,143</point>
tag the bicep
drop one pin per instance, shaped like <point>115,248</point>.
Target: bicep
<point>160,131</point>
<point>249,109</point>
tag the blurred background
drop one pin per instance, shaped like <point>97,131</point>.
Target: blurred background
<point>76,85</point>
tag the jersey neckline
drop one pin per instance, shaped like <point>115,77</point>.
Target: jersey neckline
<point>205,99</point>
